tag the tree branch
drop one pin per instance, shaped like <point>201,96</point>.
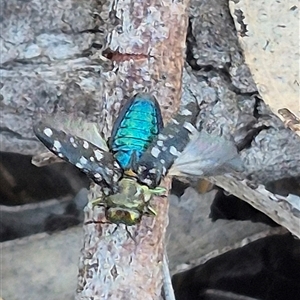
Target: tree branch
<point>54,64</point>
<point>148,57</point>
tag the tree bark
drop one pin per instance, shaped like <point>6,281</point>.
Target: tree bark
<point>86,58</point>
<point>219,79</point>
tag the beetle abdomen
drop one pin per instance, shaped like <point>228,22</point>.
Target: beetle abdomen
<point>138,123</point>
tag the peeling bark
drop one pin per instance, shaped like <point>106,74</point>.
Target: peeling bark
<point>269,36</point>
<point>230,105</point>
<point>88,63</point>
<point>86,58</point>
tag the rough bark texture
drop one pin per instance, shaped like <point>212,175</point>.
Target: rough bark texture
<point>230,105</point>
<point>192,239</point>
<point>139,47</point>
<point>87,58</point>
<point>67,73</point>
<point>269,35</point>
<point>53,59</point>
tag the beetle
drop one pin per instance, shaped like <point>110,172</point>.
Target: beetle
<point>140,153</point>
<point>138,123</point>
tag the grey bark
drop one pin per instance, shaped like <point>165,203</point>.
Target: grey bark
<point>59,66</point>
<point>54,65</point>
<point>52,60</point>
<point>55,262</point>
<point>230,105</point>
<point>50,66</point>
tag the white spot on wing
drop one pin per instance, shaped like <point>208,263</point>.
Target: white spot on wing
<point>57,145</point>
<point>141,169</point>
<point>79,166</point>
<point>148,181</point>
<point>48,132</point>
<point>188,126</point>
<point>174,151</point>
<point>175,122</point>
<point>72,140</point>
<point>86,145</point>
<point>160,143</point>
<point>155,152</point>
<point>116,165</point>
<point>98,154</point>
<point>97,175</point>
<point>83,160</point>
<point>109,172</point>
<point>162,137</point>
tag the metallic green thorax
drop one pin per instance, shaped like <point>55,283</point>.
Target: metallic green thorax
<point>130,203</point>
<point>138,123</point>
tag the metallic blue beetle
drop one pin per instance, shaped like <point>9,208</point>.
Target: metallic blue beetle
<point>138,123</point>
<point>141,148</point>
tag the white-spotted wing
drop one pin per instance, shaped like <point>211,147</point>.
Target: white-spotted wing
<point>166,147</point>
<point>98,164</point>
<point>75,126</point>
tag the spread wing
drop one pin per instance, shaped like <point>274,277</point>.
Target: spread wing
<point>207,155</point>
<point>97,163</point>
